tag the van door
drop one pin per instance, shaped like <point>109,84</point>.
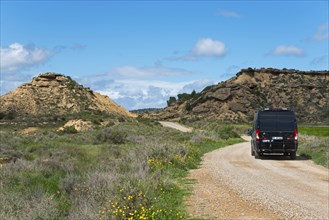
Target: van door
<point>277,130</point>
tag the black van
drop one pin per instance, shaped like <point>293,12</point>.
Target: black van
<point>274,131</point>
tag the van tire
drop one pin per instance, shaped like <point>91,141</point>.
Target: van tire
<point>293,155</point>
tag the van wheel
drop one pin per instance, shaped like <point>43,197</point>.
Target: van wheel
<point>257,155</point>
<point>252,152</point>
<point>293,155</point>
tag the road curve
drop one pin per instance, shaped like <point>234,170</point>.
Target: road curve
<point>231,184</point>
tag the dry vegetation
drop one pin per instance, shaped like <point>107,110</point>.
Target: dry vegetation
<point>129,170</point>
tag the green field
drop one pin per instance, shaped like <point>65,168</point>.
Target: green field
<point>314,144</point>
<point>314,131</point>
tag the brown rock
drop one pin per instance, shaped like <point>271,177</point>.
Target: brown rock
<point>79,125</point>
<point>251,89</point>
<point>221,94</point>
<point>57,94</point>
<point>236,107</point>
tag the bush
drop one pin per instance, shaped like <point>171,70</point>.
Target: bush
<point>112,136</point>
<point>2,115</point>
<point>11,115</point>
<point>171,100</point>
<point>227,132</point>
<point>188,107</point>
<point>103,173</point>
<point>315,148</point>
<point>69,130</point>
<point>183,97</point>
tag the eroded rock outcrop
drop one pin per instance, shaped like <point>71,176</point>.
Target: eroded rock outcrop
<point>56,94</point>
<point>238,98</point>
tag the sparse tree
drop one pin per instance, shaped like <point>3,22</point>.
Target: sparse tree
<point>183,97</point>
<point>188,107</point>
<point>193,94</point>
<point>171,100</point>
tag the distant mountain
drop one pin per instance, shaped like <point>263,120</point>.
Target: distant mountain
<point>238,98</point>
<point>56,94</point>
<point>146,110</point>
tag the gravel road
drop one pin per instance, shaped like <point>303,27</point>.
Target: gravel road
<point>231,184</point>
<point>176,126</point>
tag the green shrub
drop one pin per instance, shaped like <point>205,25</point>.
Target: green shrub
<point>112,136</point>
<point>11,115</point>
<point>2,115</point>
<point>9,140</point>
<point>314,148</point>
<point>188,107</point>
<point>227,132</point>
<point>171,100</point>
<point>69,130</point>
<point>147,121</point>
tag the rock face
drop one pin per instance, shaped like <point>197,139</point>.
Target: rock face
<point>238,98</point>
<point>56,94</point>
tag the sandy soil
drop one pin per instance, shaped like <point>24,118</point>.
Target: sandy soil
<point>175,125</point>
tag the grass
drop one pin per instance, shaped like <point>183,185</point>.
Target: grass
<point>130,170</point>
<point>314,131</point>
<point>313,144</point>
<point>238,128</point>
<point>314,148</point>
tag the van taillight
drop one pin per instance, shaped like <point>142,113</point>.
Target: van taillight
<point>257,134</point>
<point>295,135</point>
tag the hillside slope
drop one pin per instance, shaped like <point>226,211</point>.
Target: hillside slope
<point>56,94</point>
<point>238,98</point>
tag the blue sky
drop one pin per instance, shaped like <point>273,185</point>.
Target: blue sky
<point>141,52</point>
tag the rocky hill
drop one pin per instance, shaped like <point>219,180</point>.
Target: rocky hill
<point>238,98</point>
<point>56,94</point>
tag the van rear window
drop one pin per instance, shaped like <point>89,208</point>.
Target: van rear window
<point>276,121</point>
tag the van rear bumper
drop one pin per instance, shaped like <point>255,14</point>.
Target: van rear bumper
<point>276,147</point>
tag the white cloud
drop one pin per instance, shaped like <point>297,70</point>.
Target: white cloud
<point>322,33</point>
<point>137,94</point>
<point>113,94</point>
<point>151,71</point>
<point>17,57</point>
<point>205,47</point>
<point>290,50</point>
<point>209,47</point>
<point>228,14</point>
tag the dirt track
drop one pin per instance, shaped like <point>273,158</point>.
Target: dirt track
<point>176,126</point>
<point>231,184</point>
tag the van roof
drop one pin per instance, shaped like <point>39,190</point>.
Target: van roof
<point>275,109</point>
